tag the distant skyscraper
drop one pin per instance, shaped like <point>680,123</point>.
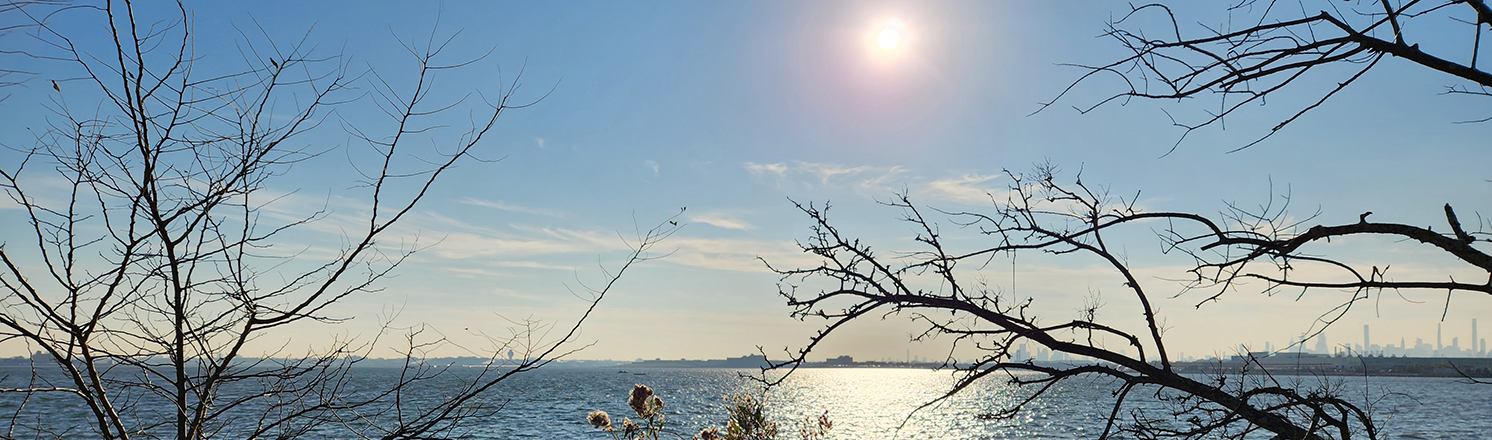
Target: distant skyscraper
<point>1321,346</point>
<point>1365,341</point>
<point>1437,339</point>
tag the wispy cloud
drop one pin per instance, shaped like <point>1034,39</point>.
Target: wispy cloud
<point>546,241</point>
<point>500,205</point>
<point>830,175</point>
<point>9,203</point>
<point>720,220</point>
<point>540,142</point>
<point>971,189</point>
<point>652,165</point>
<point>531,265</point>
<point>486,272</point>
<point>42,189</point>
<point>741,255</point>
<point>554,247</point>
<point>780,169</point>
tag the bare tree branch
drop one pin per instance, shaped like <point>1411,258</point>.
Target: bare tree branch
<point>146,278</point>
<point>931,286</point>
<point>1265,46</point>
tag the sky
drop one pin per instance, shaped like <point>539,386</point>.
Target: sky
<point>735,111</point>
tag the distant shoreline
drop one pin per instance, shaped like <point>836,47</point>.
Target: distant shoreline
<point>1284,364</point>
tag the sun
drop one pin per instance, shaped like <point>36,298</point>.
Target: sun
<point>889,38</point>
<point>890,35</point>
<point>886,43</point>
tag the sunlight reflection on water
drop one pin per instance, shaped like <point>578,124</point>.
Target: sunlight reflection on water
<point>874,403</point>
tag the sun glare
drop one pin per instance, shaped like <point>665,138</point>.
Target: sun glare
<point>888,39</point>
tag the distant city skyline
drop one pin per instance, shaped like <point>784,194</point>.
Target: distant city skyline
<point>1477,346</point>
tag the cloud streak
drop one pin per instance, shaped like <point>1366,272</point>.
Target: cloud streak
<point>720,221</point>
<point>739,255</point>
<point>503,206</point>
<point>969,189</point>
<point>799,174</point>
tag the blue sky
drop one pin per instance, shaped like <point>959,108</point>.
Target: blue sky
<point>733,110</point>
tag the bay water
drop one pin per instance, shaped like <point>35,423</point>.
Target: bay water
<point>877,403</point>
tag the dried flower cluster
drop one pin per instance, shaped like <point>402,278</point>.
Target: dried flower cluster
<point>600,419</point>
<point>815,431</point>
<point>643,401</point>
<point>649,409</point>
<point>746,420</point>
<point>711,433</point>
